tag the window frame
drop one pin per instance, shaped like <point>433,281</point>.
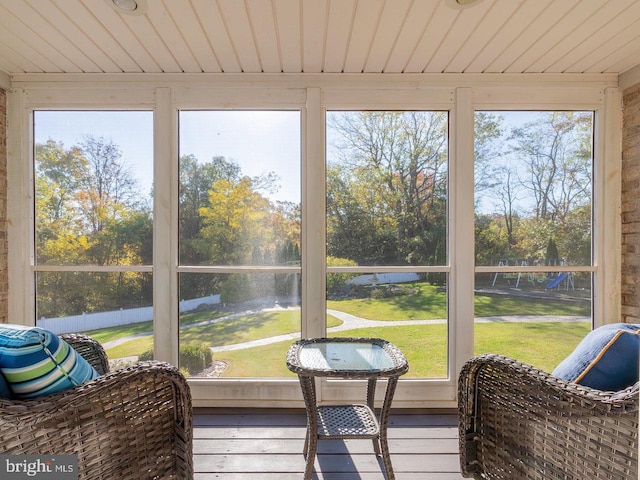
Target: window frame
<point>438,99</point>
<point>461,95</point>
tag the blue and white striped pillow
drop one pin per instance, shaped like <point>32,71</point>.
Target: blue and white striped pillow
<point>36,362</point>
<point>5,391</point>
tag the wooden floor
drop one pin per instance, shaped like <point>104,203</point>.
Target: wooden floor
<point>267,445</point>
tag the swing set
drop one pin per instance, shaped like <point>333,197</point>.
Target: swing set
<point>551,281</point>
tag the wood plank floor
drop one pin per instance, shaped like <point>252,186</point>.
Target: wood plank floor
<point>267,445</point>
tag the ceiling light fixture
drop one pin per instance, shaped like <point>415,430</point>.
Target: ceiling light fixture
<point>129,7</point>
<point>460,4</point>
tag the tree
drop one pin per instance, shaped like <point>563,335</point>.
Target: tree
<point>89,213</point>
<point>508,195</point>
<point>287,229</point>
<point>196,180</point>
<point>543,188</point>
<point>389,180</point>
<point>556,153</point>
<point>107,188</point>
<point>491,239</point>
<point>233,222</point>
<point>487,147</point>
<point>226,218</point>
<point>352,230</point>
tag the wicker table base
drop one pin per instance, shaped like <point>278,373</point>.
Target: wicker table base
<point>347,421</point>
<point>354,420</point>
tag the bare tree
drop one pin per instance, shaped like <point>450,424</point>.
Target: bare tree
<point>556,152</point>
<point>107,185</point>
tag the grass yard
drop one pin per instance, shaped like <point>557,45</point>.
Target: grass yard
<point>430,302</point>
<point>105,335</point>
<point>238,329</point>
<point>543,345</point>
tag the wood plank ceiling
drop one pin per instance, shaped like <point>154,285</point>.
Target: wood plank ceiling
<point>314,36</point>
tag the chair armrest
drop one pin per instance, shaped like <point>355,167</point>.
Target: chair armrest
<point>516,419</point>
<point>133,423</point>
<point>89,349</point>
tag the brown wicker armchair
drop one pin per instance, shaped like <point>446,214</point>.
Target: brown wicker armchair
<point>517,422</point>
<point>133,423</point>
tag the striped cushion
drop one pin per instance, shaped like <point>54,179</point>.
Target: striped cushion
<point>5,391</point>
<point>36,362</point>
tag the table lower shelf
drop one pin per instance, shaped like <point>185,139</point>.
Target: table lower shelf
<point>347,421</point>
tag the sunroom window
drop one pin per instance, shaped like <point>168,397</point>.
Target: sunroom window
<point>239,241</point>
<point>93,227</point>
<point>533,233</point>
<point>387,196</point>
<point>217,226</point>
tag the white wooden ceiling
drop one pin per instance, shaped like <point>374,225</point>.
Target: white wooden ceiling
<point>314,36</point>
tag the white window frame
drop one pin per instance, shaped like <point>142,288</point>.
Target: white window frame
<point>461,95</point>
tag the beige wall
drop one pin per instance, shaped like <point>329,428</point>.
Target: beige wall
<point>4,277</point>
<point>631,206</point>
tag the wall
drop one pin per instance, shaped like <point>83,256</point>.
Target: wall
<point>4,276</point>
<point>631,205</point>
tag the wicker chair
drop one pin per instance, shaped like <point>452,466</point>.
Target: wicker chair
<point>517,422</point>
<point>133,423</point>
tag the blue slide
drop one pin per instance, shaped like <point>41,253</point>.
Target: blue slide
<point>556,281</point>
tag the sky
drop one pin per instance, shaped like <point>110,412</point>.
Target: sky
<point>258,141</point>
<point>131,131</point>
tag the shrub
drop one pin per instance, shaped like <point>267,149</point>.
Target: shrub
<point>195,358</point>
<point>236,289</point>
<point>337,281</point>
<point>146,355</point>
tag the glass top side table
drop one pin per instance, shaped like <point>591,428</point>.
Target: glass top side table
<point>347,358</point>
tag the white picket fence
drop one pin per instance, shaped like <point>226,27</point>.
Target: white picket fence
<point>93,321</point>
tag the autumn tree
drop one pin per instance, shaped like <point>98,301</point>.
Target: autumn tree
<point>227,218</point>
<point>388,181</point>
<point>196,180</point>
<point>542,189</point>
<point>88,212</point>
<point>555,151</point>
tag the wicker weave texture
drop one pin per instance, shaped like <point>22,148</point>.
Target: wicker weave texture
<point>517,422</point>
<point>355,420</point>
<point>347,421</point>
<point>133,423</point>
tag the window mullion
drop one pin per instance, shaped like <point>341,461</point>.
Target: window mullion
<point>607,198</point>
<point>461,229</point>
<point>313,219</point>
<point>165,229</point>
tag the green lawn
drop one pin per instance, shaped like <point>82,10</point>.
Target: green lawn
<point>541,344</point>
<point>235,330</point>
<point>429,302</point>
<point>104,335</point>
